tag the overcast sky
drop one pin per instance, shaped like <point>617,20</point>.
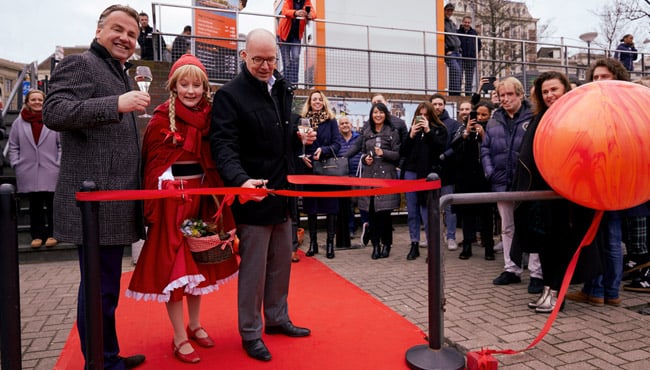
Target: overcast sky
<point>26,37</point>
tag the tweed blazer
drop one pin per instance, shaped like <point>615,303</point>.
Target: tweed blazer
<point>98,143</point>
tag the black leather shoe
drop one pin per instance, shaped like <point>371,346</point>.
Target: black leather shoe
<point>287,329</point>
<point>132,361</point>
<point>256,349</point>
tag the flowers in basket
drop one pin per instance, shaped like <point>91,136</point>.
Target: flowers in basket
<point>204,236</point>
<point>197,228</point>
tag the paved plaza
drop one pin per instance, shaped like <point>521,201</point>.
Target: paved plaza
<point>478,313</point>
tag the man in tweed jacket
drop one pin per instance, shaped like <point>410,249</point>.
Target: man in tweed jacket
<point>92,104</point>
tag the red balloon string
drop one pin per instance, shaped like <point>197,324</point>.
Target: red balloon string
<point>586,240</point>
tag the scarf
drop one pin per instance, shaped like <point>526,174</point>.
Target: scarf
<point>317,117</point>
<point>191,124</point>
<point>36,121</point>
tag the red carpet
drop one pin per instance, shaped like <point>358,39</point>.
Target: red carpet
<point>350,329</point>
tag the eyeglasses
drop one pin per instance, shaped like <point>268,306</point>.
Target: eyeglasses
<point>260,60</point>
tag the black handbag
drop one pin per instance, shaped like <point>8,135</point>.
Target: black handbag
<point>333,166</point>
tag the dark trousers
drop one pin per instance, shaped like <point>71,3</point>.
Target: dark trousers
<point>478,217</point>
<point>41,220</point>
<point>110,274</point>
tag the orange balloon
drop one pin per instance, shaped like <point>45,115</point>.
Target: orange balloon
<point>593,145</point>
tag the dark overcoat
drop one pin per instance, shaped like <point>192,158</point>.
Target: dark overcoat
<point>97,142</point>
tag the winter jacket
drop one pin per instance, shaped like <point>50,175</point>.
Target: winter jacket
<point>468,42</point>
<point>627,55</point>
<point>422,153</point>
<point>501,144</point>
<point>353,162</point>
<point>36,164</point>
<point>288,11</point>
<point>252,137</point>
<point>452,41</point>
<point>98,143</point>
<point>384,167</point>
<point>448,175</point>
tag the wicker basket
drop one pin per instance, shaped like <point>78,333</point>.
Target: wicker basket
<point>215,248</point>
<point>212,248</point>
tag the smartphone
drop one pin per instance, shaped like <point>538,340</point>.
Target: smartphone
<point>490,85</point>
<point>472,115</point>
<point>308,9</point>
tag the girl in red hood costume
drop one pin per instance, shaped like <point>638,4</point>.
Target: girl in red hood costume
<point>176,155</point>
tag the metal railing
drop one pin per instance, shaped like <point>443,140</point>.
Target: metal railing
<point>371,58</point>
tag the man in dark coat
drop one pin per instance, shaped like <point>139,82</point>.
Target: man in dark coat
<point>254,144</point>
<point>182,44</point>
<point>146,39</point>
<point>470,44</point>
<point>92,103</point>
<point>499,156</point>
<point>453,51</point>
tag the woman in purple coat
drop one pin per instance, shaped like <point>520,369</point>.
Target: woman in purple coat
<point>328,143</point>
<point>34,154</point>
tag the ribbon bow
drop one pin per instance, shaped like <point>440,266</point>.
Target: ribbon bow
<point>176,137</point>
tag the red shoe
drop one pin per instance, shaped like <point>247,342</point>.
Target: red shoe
<point>206,342</point>
<point>190,358</point>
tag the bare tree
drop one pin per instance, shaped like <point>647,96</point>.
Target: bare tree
<point>501,19</point>
<point>639,10</point>
<point>615,19</point>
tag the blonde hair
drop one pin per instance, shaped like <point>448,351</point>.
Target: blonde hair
<point>326,105</point>
<point>187,71</point>
<point>510,81</point>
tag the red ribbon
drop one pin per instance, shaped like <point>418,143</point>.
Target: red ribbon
<point>372,187</point>
<point>176,137</point>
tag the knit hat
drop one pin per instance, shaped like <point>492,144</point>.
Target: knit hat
<point>186,59</point>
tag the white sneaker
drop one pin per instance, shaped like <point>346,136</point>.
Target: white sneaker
<point>499,246</point>
<point>451,244</point>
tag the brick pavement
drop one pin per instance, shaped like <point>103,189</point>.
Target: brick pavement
<point>478,314</point>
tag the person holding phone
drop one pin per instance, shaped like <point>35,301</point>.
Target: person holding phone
<point>290,32</point>
<point>421,151</point>
<point>470,179</point>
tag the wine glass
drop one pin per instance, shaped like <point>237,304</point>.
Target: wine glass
<point>143,78</point>
<point>377,145</point>
<point>304,128</point>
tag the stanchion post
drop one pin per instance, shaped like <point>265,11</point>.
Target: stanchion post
<point>92,280</point>
<point>9,280</point>
<point>434,355</point>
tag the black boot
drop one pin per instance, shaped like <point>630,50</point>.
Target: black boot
<point>414,252</point>
<point>331,231</point>
<point>375,252</point>
<point>467,250</point>
<point>313,239</point>
<point>385,251</point>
